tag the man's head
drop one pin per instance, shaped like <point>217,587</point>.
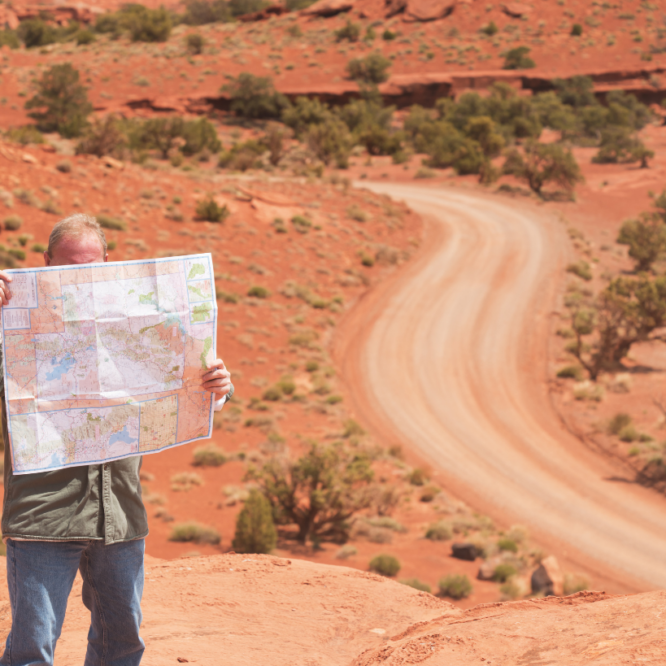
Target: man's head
<point>78,239</point>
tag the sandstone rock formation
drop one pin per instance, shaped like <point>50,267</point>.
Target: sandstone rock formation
<point>548,577</point>
<point>328,7</point>
<point>257,609</point>
<point>516,9</point>
<point>428,10</point>
<point>263,14</point>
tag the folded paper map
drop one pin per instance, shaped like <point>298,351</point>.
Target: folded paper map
<point>104,361</point>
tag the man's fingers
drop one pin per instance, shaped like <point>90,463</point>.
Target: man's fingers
<point>5,276</point>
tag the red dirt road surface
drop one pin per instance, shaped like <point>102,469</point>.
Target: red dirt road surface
<point>450,357</point>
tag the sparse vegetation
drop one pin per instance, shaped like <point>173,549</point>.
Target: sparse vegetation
<point>518,58</point>
<point>195,533</point>
<point>455,586</point>
<point>255,529</point>
<point>385,565</point>
<point>210,211</point>
<point>416,584</point>
<point>209,456</point>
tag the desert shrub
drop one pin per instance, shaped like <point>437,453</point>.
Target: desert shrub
<point>570,372</point>
<point>346,552</point>
<point>286,385</point>
<point>576,30</point>
<point>618,422</point>
<point>9,38</point>
<point>199,135</point>
<point>305,112</point>
<point>552,112</point>
<point>109,24</point>
<point>272,394</point>
<point>385,565</point>
<point>455,586</point>
<point>17,254</point>
<point>518,58</point>
<point>242,156</point>
<point>209,210</point>
<point>503,572</point>
<point>371,70</point>
<point>254,96</point>
<point>349,32</point>
<point>7,261</point>
<point>241,7</point>
<point>544,163</point>
<point>507,544</point>
<point>330,142</point>
<point>63,101</point>
<point>109,222</point>
<point>201,12</point>
<point>619,144</point>
<point>195,533</point>
<point>439,531</point>
<point>416,584</point>
<point>575,583</point>
<point>209,456</point>
<point>39,247</point>
<point>195,43</point>
<point>257,291</point>
<point>12,223</point>
<point>389,35</point>
<point>319,492</point>
<point>185,481</point>
<point>418,476</point>
<point>36,32</point>
<point>255,529</point>
<point>273,140</point>
<point>301,223</point>
<point>646,238</point>
<point>25,135</point>
<point>577,91</point>
<point>84,37</point>
<point>490,29</point>
<point>580,268</point>
<point>146,25</point>
<point>627,434</point>
<point>103,137</point>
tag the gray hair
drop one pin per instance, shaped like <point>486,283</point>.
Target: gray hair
<point>75,226</point>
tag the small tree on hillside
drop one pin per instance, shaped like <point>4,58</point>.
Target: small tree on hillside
<point>646,238</point>
<point>543,163</point>
<point>624,313</point>
<point>319,492</point>
<point>254,96</point>
<point>61,101</point>
<point>620,144</point>
<point>518,58</point>
<point>369,71</point>
<point>103,137</point>
<point>255,530</point>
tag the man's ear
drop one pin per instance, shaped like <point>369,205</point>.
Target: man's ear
<point>47,259</point>
<point>106,257</point>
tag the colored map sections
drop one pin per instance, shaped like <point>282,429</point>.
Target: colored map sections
<point>104,361</point>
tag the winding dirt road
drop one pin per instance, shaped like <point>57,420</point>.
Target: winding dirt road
<point>449,357</point>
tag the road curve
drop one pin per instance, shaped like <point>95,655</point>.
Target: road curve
<point>449,356</point>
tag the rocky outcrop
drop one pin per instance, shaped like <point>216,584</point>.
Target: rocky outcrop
<point>262,15</point>
<point>257,609</point>
<point>394,7</point>
<point>516,9</point>
<point>547,579</point>
<point>428,10</point>
<point>328,8</point>
<point>60,14</point>
<point>464,551</point>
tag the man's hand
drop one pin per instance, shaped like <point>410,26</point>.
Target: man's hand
<point>5,294</point>
<point>218,379</point>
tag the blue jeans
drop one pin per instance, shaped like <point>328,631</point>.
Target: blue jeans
<point>40,575</point>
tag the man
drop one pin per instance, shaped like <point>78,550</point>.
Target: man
<point>89,518</point>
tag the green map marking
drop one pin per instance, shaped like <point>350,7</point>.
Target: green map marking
<point>201,313</point>
<point>146,299</point>
<point>208,343</point>
<point>197,269</point>
<point>197,292</point>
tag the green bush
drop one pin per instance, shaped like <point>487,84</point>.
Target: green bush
<point>490,29</point>
<point>257,291</point>
<point>200,135</point>
<point>208,210</point>
<point>39,247</point>
<point>626,434</point>
<point>416,584</point>
<point>418,477</point>
<point>255,529</point>
<point>9,38</point>
<point>385,565</point>
<point>84,37</point>
<point>17,254</point>
<point>305,112</point>
<point>518,59</point>
<point>371,70</point>
<point>201,12</point>
<point>389,35</point>
<point>242,156</point>
<point>147,25</point>
<point>505,543</point>
<point>646,238</point>
<point>576,30</point>
<point>195,43</point>
<point>581,269</point>
<point>349,32</point>
<point>13,223</point>
<point>109,222</point>
<point>503,572</point>
<point>301,223</point>
<point>63,101</point>
<point>209,456</point>
<point>455,586</point>
<point>36,32</point>
<point>25,135</point>
<point>330,142</point>
<point>570,372</point>
<point>195,533</point>
<point>272,394</point>
<point>254,97</point>
<point>618,422</point>
<point>439,531</point>
<point>103,137</point>
<point>619,144</point>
